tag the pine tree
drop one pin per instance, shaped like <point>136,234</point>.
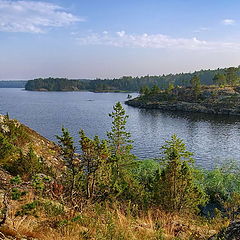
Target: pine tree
<point>196,84</point>
<point>155,89</point>
<point>71,161</point>
<point>94,159</point>
<point>220,79</point>
<point>144,90</point>
<point>177,188</point>
<point>121,160</point>
<point>232,77</point>
<point>119,138</point>
<point>6,149</point>
<point>141,91</point>
<point>170,88</point>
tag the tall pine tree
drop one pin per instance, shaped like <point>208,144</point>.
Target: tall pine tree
<point>121,160</point>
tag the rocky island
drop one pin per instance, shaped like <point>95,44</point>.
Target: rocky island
<point>207,99</point>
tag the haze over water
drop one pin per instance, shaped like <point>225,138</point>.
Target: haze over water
<point>212,138</point>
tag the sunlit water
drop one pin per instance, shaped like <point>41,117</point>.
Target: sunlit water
<point>212,138</point>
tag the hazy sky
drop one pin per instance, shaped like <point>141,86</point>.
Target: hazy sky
<point>112,38</point>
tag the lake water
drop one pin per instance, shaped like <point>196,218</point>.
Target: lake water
<point>212,138</point>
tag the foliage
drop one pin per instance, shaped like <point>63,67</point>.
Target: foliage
<point>52,208</point>
<point>71,160</point>
<point>220,79</point>
<point>144,90</point>
<point>170,88</point>
<point>17,193</point>
<point>29,209</point>
<point>177,190</point>
<point>220,183</point>
<point>196,84</point>
<point>232,77</point>
<point>16,180</point>
<point>146,172</point>
<point>39,182</point>
<point>119,138</point>
<point>6,149</point>
<point>94,158</point>
<point>122,160</point>
<point>12,137</point>
<point>26,165</point>
<point>155,89</point>
<point>231,205</point>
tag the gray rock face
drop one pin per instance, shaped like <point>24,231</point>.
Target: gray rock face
<point>186,107</point>
<point>232,232</point>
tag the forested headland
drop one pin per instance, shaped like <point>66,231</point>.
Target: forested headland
<point>126,83</point>
<point>50,191</point>
<point>223,97</point>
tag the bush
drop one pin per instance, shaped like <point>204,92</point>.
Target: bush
<point>221,182</point>
<point>26,165</point>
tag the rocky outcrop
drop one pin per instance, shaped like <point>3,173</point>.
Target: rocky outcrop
<point>232,232</point>
<point>28,138</point>
<point>185,106</point>
<point>211,100</point>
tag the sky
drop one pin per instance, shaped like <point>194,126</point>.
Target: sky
<point>114,38</point>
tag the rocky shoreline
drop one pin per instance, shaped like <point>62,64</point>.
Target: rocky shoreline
<point>211,100</point>
<point>184,107</point>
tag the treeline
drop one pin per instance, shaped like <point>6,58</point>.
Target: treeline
<point>228,77</point>
<point>56,84</point>
<point>126,83</point>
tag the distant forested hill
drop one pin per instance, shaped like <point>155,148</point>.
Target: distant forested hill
<point>12,84</point>
<point>126,83</point>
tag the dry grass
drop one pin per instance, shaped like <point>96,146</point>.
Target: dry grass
<point>112,224</point>
<point>98,222</point>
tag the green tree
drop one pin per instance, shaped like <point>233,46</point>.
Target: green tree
<point>232,77</point>
<point>144,90</point>
<point>177,188</point>
<point>141,91</point>
<point>196,84</point>
<point>155,89</point>
<point>170,88</point>
<point>119,138</point>
<point>121,161</point>
<point>94,157</point>
<point>219,79</point>
<point>6,149</point>
<point>72,162</point>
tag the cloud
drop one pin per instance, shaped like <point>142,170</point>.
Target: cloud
<point>202,29</point>
<point>33,16</point>
<point>228,21</point>
<point>121,33</point>
<point>123,39</point>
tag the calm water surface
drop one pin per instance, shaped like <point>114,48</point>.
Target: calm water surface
<point>212,138</point>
